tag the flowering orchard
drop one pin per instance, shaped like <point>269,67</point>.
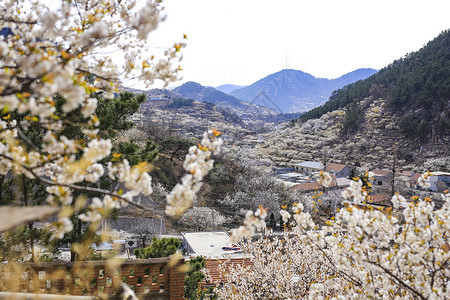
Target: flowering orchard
<point>51,68</point>
<point>364,252</point>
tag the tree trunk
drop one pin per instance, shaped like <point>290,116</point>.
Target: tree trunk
<point>30,224</point>
<point>2,180</point>
<point>73,255</point>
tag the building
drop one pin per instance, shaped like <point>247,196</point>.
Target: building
<point>342,183</point>
<point>155,97</point>
<point>439,181</point>
<point>309,167</point>
<point>382,178</point>
<point>339,170</point>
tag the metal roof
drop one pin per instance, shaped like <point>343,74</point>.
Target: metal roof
<point>310,165</point>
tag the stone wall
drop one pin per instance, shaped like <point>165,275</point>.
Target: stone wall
<point>150,278</point>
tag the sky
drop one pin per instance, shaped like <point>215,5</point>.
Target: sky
<point>241,41</point>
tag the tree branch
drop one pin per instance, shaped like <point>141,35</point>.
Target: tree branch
<point>18,21</point>
<point>79,187</point>
<point>399,280</point>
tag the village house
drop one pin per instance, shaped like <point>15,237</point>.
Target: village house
<point>338,170</point>
<point>342,183</point>
<point>382,178</point>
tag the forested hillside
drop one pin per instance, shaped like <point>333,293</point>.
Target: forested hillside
<point>416,88</point>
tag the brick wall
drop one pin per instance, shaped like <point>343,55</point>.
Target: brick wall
<point>151,278</point>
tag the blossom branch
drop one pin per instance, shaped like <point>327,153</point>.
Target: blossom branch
<point>78,187</point>
<point>399,280</point>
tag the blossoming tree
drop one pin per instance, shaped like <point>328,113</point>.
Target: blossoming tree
<point>365,252</point>
<point>51,65</point>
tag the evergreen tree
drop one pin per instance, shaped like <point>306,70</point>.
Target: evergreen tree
<point>158,248</point>
<point>272,223</point>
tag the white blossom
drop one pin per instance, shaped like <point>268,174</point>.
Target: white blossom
<point>198,164</point>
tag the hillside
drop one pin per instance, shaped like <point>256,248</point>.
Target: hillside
<point>371,147</point>
<point>296,91</point>
<point>201,93</point>
<point>415,88</point>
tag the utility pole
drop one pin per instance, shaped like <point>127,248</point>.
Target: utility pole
<point>394,166</point>
<point>324,163</point>
<point>213,219</point>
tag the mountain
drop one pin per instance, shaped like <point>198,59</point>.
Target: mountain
<point>228,88</point>
<point>416,89</point>
<point>201,93</point>
<point>353,77</point>
<point>296,91</point>
<point>399,115</point>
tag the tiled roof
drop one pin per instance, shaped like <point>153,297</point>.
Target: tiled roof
<point>380,198</point>
<point>381,172</point>
<point>335,167</point>
<point>407,173</point>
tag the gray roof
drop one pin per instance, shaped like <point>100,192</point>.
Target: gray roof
<point>310,165</point>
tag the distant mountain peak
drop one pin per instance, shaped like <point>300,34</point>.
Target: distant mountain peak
<point>228,88</point>
<point>290,90</point>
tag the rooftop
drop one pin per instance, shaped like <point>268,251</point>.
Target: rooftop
<point>310,165</point>
<point>209,244</point>
<point>407,173</point>
<point>380,198</point>
<point>335,167</point>
<point>342,181</point>
<point>381,172</point>
<point>308,186</point>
